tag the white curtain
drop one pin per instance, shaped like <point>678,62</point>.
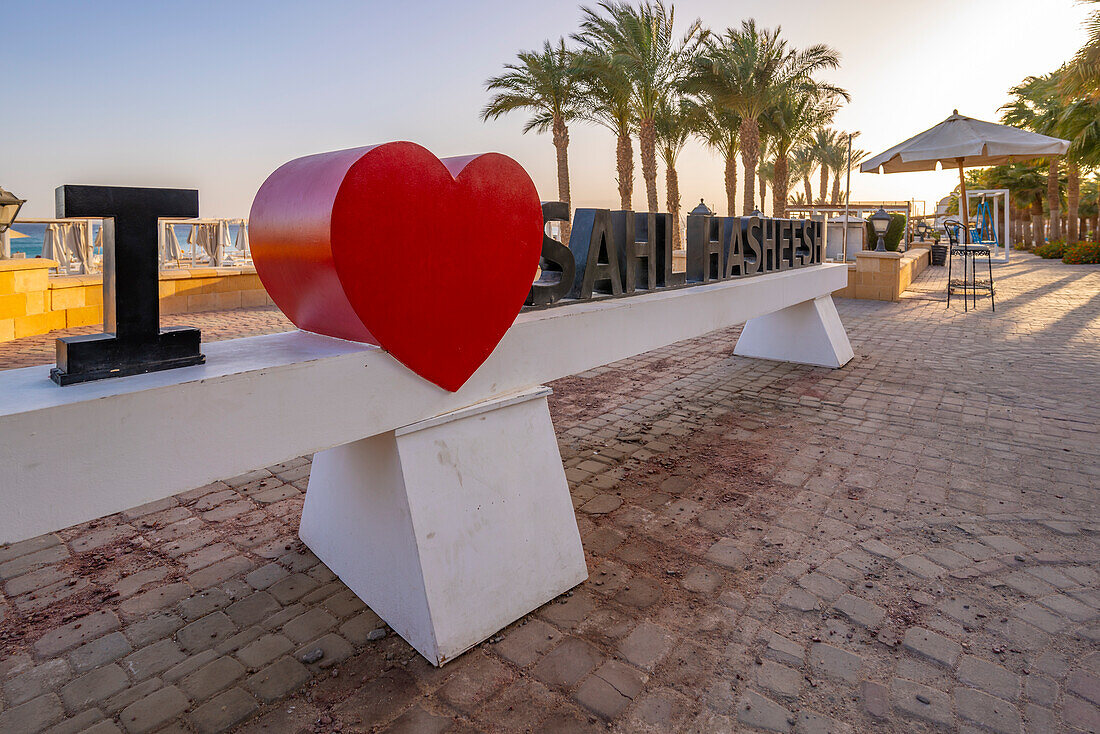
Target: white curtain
<point>77,243</point>
<point>169,244</point>
<point>224,241</point>
<point>205,236</point>
<point>53,246</point>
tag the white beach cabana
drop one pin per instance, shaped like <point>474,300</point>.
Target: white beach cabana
<point>54,246</point>
<point>242,238</point>
<point>964,142</point>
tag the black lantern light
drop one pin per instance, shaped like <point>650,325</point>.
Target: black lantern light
<point>880,220</point>
<point>701,210</point>
<point>9,208</point>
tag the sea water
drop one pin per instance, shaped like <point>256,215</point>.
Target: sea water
<point>31,245</point>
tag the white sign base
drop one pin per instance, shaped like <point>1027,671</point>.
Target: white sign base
<point>450,528</point>
<point>807,333</point>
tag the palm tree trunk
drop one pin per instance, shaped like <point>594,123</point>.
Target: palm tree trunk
<point>808,189</point>
<point>731,185</point>
<point>1053,203</point>
<point>750,151</point>
<point>824,185</point>
<point>763,192</point>
<point>1037,221</point>
<point>561,146</point>
<point>647,142</point>
<point>624,163</point>
<point>835,198</point>
<point>780,185</point>
<point>1073,202</point>
<point>672,200</point>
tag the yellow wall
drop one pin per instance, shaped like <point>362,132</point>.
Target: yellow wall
<point>33,302</point>
<point>884,276</point>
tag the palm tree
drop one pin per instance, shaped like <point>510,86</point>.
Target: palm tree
<point>743,69</point>
<point>822,145</point>
<point>717,127</point>
<point>1080,123</point>
<point>765,170</point>
<point>606,102</point>
<point>798,111</point>
<point>640,42</point>
<point>839,163</point>
<point>1037,106</point>
<point>544,83</point>
<point>673,126</point>
<point>801,166</point>
<point>1082,77</point>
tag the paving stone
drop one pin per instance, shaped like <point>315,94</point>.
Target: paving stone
<point>278,679</point>
<point>211,678</point>
<point>93,687</point>
<point>932,645</point>
<point>921,566</point>
<point>97,652</point>
<point>989,677</point>
<point>309,626</point>
<point>1041,690</point>
<point>566,664</point>
<point>610,689</point>
<point>219,572</point>
<point>32,716</point>
<point>130,695</point>
<point>726,554</point>
<point>31,561</point>
<point>836,663</point>
<point>190,665</point>
<point>479,678</point>
<point>334,649</point>
<point>156,709</point>
<point>922,702</point>
<point>32,683</point>
<point>784,650</point>
<point>702,580</point>
<point>76,633</point>
<point>821,585</point>
<point>876,699</point>
<point>206,632</point>
<point>524,644</point>
<point>154,659</point>
<point>1068,607</point>
<point>779,679</point>
<point>25,547</point>
<point>1079,714</point>
<point>418,720</point>
<point>86,722</point>
<point>988,711</point>
<point>253,609</point>
<point>860,611</point>
<point>763,713</point>
<point>1085,685</point>
<point>358,629</point>
<point>292,588</point>
<point>223,711</point>
<point>266,575</point>
<point>1037,615</point>
<point>800,600</point>
<point>265,649</point>
<point>810,722</point>
<point>155,599</point>
<point>152,628</point>
<point>646,645</point>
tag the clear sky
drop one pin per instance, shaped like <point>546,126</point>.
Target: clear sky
<point>216,95</point>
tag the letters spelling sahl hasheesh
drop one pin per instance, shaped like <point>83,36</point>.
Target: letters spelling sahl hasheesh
<point>617,253</point>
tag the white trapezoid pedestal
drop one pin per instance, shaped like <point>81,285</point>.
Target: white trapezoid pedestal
<point>809,332</point>
<point>450,528</point>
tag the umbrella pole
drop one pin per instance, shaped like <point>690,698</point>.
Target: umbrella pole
<point>964,208</point>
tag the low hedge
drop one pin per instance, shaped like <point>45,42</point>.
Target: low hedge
<point>1051,250</point>
<point>1083,253</point>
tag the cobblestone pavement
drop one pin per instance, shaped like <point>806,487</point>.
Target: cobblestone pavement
<point>906,544</point>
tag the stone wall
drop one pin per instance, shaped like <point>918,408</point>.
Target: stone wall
<point>34,302</point>
<point>884,276</point>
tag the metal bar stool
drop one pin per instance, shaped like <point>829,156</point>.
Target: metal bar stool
<point>973,252</point>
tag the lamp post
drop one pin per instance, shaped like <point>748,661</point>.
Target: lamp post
<point>9,209</point>
<point>880,221</point>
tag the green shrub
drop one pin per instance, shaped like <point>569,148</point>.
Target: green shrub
<point>893,235</point>
<point>1083,253</point>
<point>1055,249</point>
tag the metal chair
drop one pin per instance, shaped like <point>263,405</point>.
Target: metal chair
<point>973,252</point>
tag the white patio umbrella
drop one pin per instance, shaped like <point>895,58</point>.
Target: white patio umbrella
<point>169,244</point>
<point>965,142</point>
<point>242,238</point>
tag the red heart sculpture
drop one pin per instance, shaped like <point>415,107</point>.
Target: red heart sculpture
<point>430,259</point>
